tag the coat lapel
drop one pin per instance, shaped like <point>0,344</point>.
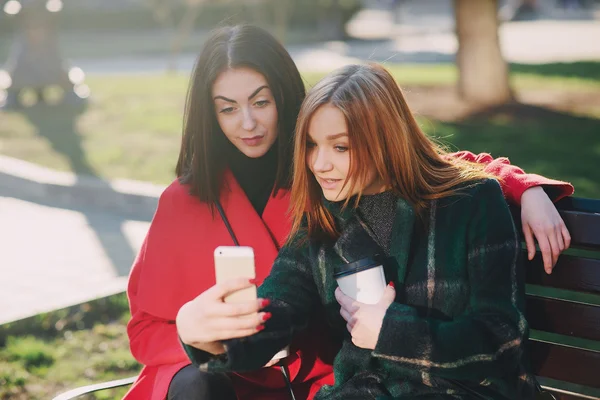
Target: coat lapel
<point>250,229</point>
<point>356,240</point>
<point>402,233</point>
<point>177,255</point>
<point>277,218</point>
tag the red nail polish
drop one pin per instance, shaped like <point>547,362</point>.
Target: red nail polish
<point>266,316</point>
<point>392,285</point>
<point>253,281</point>
<point>260,327</point>
<point>264,303</point>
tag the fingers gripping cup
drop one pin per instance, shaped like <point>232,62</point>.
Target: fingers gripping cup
<point>363,280</point>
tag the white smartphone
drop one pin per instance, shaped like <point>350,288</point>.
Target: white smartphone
<point>236,262</point>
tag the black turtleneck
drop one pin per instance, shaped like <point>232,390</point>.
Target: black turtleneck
<point>256,176</point>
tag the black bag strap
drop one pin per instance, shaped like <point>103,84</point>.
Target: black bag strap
<point>283,368</point>
<point>226,222</point>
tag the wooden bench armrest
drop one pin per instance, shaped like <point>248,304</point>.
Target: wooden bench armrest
<point>80,391</point>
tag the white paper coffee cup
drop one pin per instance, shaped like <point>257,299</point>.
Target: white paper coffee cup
<point>363,280</point>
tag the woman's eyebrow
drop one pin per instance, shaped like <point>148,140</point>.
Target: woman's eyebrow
<point>224,98</point>
<point>256,91</point>
<point>336,136</point>
<point>249,97</point>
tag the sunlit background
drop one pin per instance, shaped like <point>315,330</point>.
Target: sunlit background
<point>92,95</point>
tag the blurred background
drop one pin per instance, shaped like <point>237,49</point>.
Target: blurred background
<point>91,105</point>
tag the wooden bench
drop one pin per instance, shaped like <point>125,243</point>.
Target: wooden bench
<point>563,310</point>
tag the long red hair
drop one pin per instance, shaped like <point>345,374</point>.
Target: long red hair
<point>382,132</point>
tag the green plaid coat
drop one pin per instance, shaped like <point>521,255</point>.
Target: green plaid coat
<point>456,325</point>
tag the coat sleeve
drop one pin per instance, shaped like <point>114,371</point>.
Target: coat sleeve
<point>153,340</point>
<point>291,288</point>
<point>513,180</point>
<point>485,340</point>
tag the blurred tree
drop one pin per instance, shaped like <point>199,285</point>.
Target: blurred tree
<point>35,61</point>
<point>331,21</point>
<point>483,72</point>
<point>254,10</point>
<point>165,12</point>
<point>162,11</point>
<point>184,30</point>
<point>181,17</point>
<point>282,18</point>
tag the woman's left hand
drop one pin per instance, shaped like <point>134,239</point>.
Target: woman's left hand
<point>364,321</point>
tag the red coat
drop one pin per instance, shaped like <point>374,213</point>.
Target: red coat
<point>175,264</point>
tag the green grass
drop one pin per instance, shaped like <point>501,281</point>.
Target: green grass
<point>552,144</point>
<point>33,354</point>
<point>573,76</point>
<point>64,349</point>
<point>580,69</point>
<point>43,367</point>
<point>130,130</point>
<point>132,127</point>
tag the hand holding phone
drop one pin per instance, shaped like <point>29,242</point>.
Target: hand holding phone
<point>205,321</point>
<point>238,262</point>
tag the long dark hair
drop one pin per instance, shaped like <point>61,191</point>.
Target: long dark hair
<point>201,160</point>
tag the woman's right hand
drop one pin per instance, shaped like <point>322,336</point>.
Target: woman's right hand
<point>207,320</point>
<point>540,219</point>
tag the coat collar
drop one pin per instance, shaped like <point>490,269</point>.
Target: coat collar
<point>271,227</point>
<point>177,259</point>
<point>357,241</point>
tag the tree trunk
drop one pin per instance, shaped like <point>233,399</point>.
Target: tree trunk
<point>330,20</point>
<point>282,16</point>
<point>184,30</point>
<point>483,73</point>
<point>336,20</point>
<point>256,9</point>
<point>162,13</point>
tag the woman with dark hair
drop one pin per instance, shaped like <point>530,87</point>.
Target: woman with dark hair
<point>369,184</point>
<point>205,155</point>
<point>244,96</point>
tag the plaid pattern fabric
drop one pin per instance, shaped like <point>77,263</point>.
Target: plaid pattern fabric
<point>458,313</point>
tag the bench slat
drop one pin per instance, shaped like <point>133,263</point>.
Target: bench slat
<point>571,273</point>
<point>564,317</point>
<point>562,396</point>
<point>568,391</point>
<point>565,363</point>
<point>80,391</point>
<point>583,227</point>
<point>579,204</point>
<point>582,218</point>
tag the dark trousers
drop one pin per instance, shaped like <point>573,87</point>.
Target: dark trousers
<point>192,384</point>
